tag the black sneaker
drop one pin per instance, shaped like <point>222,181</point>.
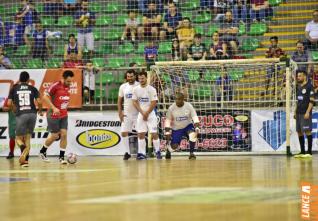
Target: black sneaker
<point>126,156</point>
<point>168,155</point>
<point>192,156</point>
<point>10,156</point>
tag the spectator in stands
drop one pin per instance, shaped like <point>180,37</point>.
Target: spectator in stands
<point>240,11</point>
<point>5,62</point>
<point>53,8</point>
<point>172,21</point>
<point>130,29</point>
<point>144,5</point>
<point>71,6</point>
<point>273,52</point>
<point>218,48</point>
<point>2,32</point>
<point>224,82</point>
<point>220,8</point>
<point>228,32</point>
<point>89,73</point>
<point>132,5</point>
<point>72,53</point>
<point>85,20</point>
<point>197,51</point>
<point>39,42</point>
<point>260,10</point>
<point>26,14</point>
<point>16,34</point>
<point>301,55</point>
<point>150,22</point>
<point>175,50</point>
<point>185,36</point>
<point>151,54</point>
<point>206,5</point>
<point>311,32</point>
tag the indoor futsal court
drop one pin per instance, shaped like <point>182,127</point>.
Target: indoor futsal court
<point>102,188</point>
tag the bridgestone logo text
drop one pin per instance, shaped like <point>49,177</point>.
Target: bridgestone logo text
<point>83,123</point>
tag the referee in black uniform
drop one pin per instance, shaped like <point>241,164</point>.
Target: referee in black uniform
<point>303,113</point>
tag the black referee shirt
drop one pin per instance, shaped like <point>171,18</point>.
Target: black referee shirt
<point>304,93</point>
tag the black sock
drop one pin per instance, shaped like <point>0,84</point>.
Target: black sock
<point>192,145</point>
<point>22,147</point>
<point>309,137</point>
<point>43,150</point>
<point>27,158</point>
<point>62,152</point>
<point>302,144</point>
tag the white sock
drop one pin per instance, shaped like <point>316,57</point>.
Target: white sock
<point>156,144</point>
<point>142,146</point>
<point>126,144</point>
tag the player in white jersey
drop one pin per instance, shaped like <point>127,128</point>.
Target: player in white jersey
<point>181,121</point>
<point>145,100</point>
<point>128,115</point>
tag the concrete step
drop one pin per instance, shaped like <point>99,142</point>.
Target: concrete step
<point>299,3</point>
<point>293,12</point>
<point>292,18</point>
<point>290,33</point>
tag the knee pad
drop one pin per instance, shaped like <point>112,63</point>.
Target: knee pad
<point>193,137</point>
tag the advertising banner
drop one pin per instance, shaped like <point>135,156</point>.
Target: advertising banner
<point>42,79</point>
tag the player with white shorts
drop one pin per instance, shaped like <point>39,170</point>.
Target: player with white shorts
<point>145,100</point>
<point>126,110</point>
<point>181,121</point>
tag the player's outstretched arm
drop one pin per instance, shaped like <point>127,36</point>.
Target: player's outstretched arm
<point>47,99</point>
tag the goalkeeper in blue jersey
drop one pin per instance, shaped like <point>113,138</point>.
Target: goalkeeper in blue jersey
<point>181,121</point>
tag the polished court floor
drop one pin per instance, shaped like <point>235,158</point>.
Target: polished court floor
<point>262,188</point>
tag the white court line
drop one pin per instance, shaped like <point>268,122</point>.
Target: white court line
<point>170,193</point>
<point>63,170</point>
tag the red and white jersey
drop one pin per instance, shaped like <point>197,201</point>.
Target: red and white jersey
<point>60,98</point>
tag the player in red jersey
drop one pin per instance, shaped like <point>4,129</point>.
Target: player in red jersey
<point>57,97</point>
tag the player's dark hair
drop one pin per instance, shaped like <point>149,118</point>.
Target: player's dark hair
<point>130,71</point>
<point>301,71</point>
<point>132,64</point>
<point>143,72</point>
<point>274,38</point>
<point>198,35</point>
<point>24,76</point>
<point>71,36</point>
<point>67,74</point>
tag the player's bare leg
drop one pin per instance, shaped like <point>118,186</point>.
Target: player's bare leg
<point>51,138</point>
<point>63,144</point>
<point>125,138</point>
<point>156,144</point>
<point>141,155</point>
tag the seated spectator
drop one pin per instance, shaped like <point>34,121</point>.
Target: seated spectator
<point>85,20</point>
<point>72,53</point>
<point>150,22</point>
<point>273,52</point>
<point>15,33</point>
<point>240,11</point>
<point>197,51</point>
<point>132,5</point>
<point>143,5</point>
<point>260,10</point>
<point>185,36</point>
<point>220,8</point>
<point>218,49</point>
<point>175,50</point>
<point>130,29</point>
<point>311,32</point>
<point>2,32</point>
<point>70,7</point>
<point>172,21</point>
<point>39,42</point>
<point>301,55</point>
<point>228,32</point>
<point>5,62</point>
<point>151,54</point>
<point>53,8</point>
<point>224,82</point>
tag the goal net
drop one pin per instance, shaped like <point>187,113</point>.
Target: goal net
<point>224,93</point>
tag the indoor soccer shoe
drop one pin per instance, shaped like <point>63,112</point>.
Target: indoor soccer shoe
<point>62,161</point>
<point>141,156</point>
<point>43,157</point>
<point>126,156</point>
<point>306,156</point>
<point>299,155</point>
<point>158,155</point>
<point>10,156</point>
<point>25,164</point>
<point>168,155</point>
<point>192,156</point>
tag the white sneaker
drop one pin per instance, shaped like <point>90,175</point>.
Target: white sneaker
<point>62,161</point>
<point>44,158</point>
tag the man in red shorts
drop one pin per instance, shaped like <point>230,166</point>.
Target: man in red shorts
<point>57,97</point>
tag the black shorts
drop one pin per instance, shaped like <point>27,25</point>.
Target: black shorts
<point>25,124</point>
<point>303,125</point>
<point>55,125</point>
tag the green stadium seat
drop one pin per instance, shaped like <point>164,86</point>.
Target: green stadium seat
<point>163,57</point>
<point>236,74</point>
<point>140,61</point>
<point>190,4</point>
<point>104,20</point>
<point>54,63</point>
<point>258,29</point>
<point>314,55</point>
<point>65,21</point>
<point>100,93</point>
<point>141,48</point>
<point>116,62</point>
<point>97,34</point>
<point>39,7</point>
<point>95,7</point>
<point>113,94</point>
<point>113,34</point>
<point>23,50</point>
<point>211,75</point>
<point>13,9</point>
<point>164,47</point>
<point>212,29</point>
<point>120,78</point>
<point>98,62</point>
<point>17,63</point>
<point>47,21</point>
<point>125,48</point>
<point>245,55</point>
<point>194,75</point>
<point>59,51</point>
<point>199,29</point>
<point>187,14</point>
<point>166,78</point>
<point>202,18</point>
<point>274,2</point>
<point>104,49</point>
<point>105,78</point>
<point>34,63</point>
<point>242,29</point>
<point>2,10</point>
<point>202,92</point>
<point>121,20</point>
<point>113,7</point>
<point>250,44</point>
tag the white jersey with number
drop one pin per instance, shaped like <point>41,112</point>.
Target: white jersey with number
<point>126,91</point>
<point>181,117</point>
<point>145,95</point>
